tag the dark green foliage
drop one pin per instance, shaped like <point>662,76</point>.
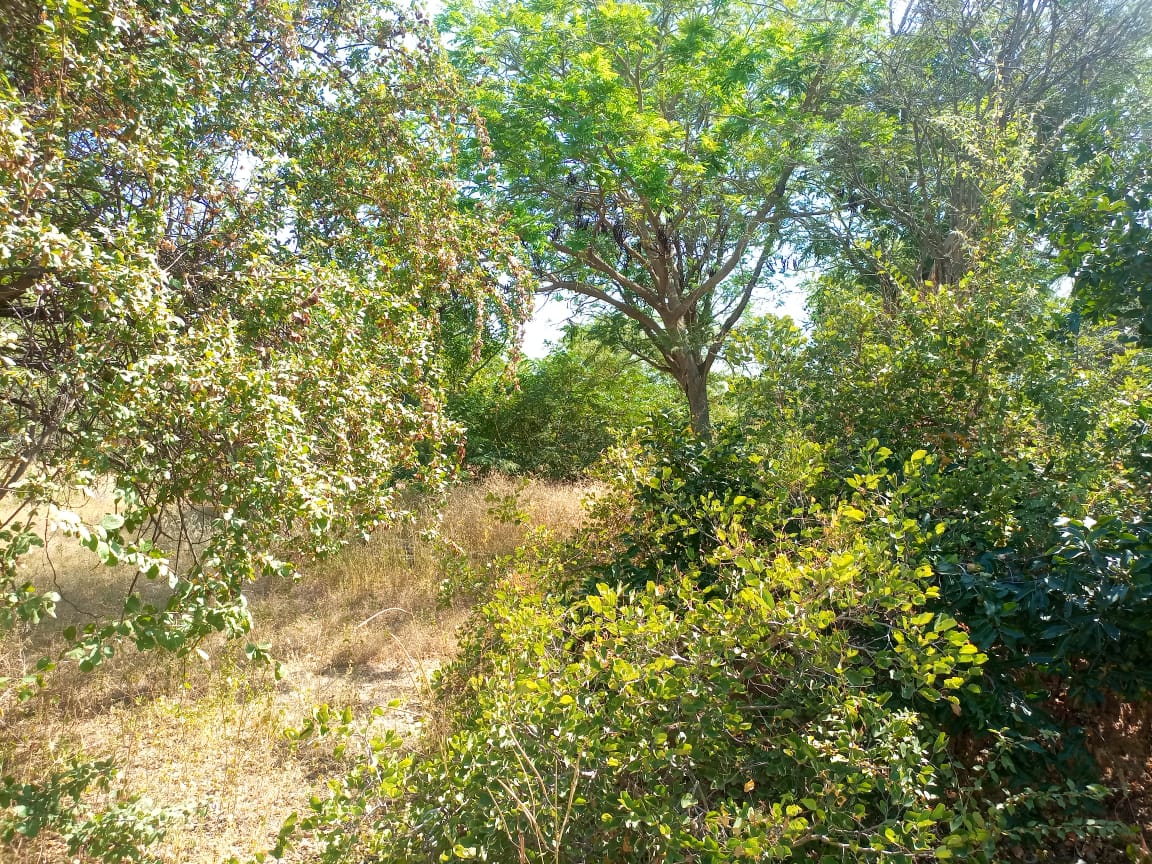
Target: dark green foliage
<point>1082,611</point>
<point>561,413</point>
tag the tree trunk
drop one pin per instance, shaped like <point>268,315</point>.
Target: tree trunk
<point>693,380</point>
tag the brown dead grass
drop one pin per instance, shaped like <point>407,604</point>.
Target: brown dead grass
<point>207,733</point>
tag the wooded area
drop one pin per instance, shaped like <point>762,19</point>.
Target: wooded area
<point>871,585</point>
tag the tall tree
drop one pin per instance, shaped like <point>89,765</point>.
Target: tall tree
<point>964,98</point>
<point>225,230</point>
<point>654,152</point>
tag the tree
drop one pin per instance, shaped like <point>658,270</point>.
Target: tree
<point>653,153</point>
<point>225,233</point>
<point>960,99</point>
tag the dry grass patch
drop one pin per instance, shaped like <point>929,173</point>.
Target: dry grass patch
<point>206,734</point>
<point>555,506</point>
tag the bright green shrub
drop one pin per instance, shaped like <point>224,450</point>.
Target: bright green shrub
<point>674,725</point>
<point>687,501</point>
<point>770,691</point>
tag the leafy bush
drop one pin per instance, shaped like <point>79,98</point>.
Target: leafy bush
<point>562,412</point>
<point>1041,480</point>
<point>223,239</point>
<point>670,723</point>
<point>1082,611</point>
<point>773,691</point>
<point>679,502</point>
<point>119,832</point>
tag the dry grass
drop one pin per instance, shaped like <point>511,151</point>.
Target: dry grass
<point>359,630</point>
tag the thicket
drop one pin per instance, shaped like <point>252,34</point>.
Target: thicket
<point>847,628</point>
<point>850,626</point>
<point>227,236</point>
<point>776,650</point>
<point>556,416</point>
<point>829,621</point>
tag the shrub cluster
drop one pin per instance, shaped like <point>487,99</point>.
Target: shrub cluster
<point>737,658</point>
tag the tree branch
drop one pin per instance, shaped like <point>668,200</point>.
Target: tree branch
<point>737,313</point>
<point>593,260</point>
<point>725,270</point>
<point>655,332</point>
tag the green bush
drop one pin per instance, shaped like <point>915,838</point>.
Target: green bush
<point>121,831</point>
<point>1040,483</point>
<point>562,412</point>
<point>1081,611</point>
<point>765,690</point>
<point>670,725</point>
<point>678,502</point>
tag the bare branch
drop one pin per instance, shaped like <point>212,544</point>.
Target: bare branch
<point>650,326</point>
<point>772,205</point>
<point>737,313</point>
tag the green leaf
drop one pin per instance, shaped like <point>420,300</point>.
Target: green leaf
<point>853,513</point>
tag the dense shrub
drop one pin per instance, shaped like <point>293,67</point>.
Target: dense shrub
<point>794,643</point>
<point>1081,611</point>
<point>734,686</point>
<point>667,724</point>
<point>561,413</point>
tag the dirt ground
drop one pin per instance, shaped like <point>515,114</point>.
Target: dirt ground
<point>207,733</point>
